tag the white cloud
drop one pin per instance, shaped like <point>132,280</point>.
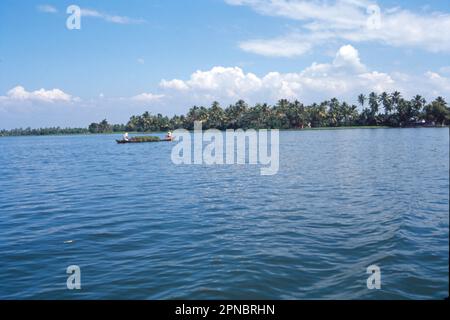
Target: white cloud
<point>174,84</point>
<point>347,20</point>
<point>279,47</point>
<point>95,14</point>
<point>229,82</point>
<point>342,13</point>
<point>47,8</point>
<point>440,83</point>
<point>345,76</point>
<point>110,18</point>
<point>347,56</point>
<point>315,83</point>
<point>147,97</point>
<point>141,61</point>
<point>19,93</point>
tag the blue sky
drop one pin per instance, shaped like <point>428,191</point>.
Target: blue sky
<point>165,56</point>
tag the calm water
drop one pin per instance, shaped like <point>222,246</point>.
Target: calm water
<point>140,227</point>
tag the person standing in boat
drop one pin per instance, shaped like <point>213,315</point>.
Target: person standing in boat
<point>169,136</point>
<point>125,136</point>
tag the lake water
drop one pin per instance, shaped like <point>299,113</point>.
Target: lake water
<point>141,227</point>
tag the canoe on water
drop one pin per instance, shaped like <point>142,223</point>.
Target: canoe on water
<point>143,140</point>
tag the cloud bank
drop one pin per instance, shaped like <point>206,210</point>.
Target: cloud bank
<point>20,94</point>
<point>345,77</point>
<point>348,21</point>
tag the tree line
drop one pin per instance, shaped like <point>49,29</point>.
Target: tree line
<point>385,109</point>
<point>43,131</point>
<point>376,110</point>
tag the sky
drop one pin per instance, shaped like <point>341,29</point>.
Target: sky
<point>164,56</point>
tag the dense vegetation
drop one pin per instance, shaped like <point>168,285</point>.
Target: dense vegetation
<point>105,127</point>
<point>43,131</point>
<point>376,110</point>
<point>146,139</point>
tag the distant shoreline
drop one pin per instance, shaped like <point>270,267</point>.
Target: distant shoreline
<point>284,115</point>
<point>163,132</point>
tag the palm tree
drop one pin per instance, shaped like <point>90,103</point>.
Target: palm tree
<point>296,114</point>
<point>441,101</point>
<point>285,115</point>
<point>318,114</point>
<point>396,97</point>
<point>362,100</point>
<point>216,117</point>
<point>438,111</point>
<point>234,114</point>
<point>374,108</point>
<point>417,104</point>
<point>334,113</point>
<point>387,102</point>
<point>373,103</point>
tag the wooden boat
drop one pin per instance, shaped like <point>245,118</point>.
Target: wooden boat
<point>142,141</point>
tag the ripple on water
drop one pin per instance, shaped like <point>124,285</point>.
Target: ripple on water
<point>142,228</point>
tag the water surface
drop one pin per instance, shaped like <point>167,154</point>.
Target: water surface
<point>140,227</point>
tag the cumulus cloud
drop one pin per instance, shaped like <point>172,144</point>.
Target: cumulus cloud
<point>147,97</point>
<point>347,20</point>
<point>226,81</point>
<point>20,94</point>
<point>174,84</point>
<point>348,57</point>
<point>345,76</point>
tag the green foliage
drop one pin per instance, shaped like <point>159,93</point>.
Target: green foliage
<point>438,111</point>
<point>43,131</point>
<point>102,127</point>
<point>146,139</point>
